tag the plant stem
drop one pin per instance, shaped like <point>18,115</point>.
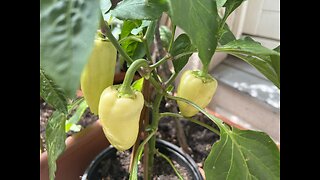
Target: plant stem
<point>172,38</point>
<point>155,83</point>
<point>169,57</point>
<point>172,107</point>
<point>126,57</point>
<point>154,126</point>
<point>216,120</point>
<point>171,79</point>
<point>183,54</point>
<point>181,136</point>
<point>205,69</point>
<point>191,120</point>
<point>143,122</point>
<point>158,42</point>
<point>150,30</point>
<point>116,44</point>
<point>166,58</point>
<point>146,47</point>
<point>145,115</point>
<point>134,172</point>
<point>146,43</point>
<point>161,61</point>
<point>170,162</point>
<point>125,88</point>
<point>135,38</point>
<point>148,39</point>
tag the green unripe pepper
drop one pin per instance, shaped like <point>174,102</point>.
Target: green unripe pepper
<point>197,88</point>
<point>119,115</point>
<point>98,72</point>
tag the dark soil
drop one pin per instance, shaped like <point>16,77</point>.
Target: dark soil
<point>46,111</point>
<point>199,140</point>
<point>109,168</point>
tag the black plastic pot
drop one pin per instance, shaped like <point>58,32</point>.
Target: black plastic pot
<point>165,147</point>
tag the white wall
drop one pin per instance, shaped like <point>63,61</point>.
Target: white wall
<point>262,21</point>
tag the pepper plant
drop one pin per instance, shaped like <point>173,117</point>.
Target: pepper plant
<point>80,41</point>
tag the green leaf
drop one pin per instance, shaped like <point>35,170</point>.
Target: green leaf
<point>67,32</point>
<point>55,136</point>
<point>150,32</point>
<point>180,45</point>
<point>199,19</point>
<point>265,60</point>
<point>138,84</point>
<point>149,35</point>
<point>105,5</point>
<point>75,118</point>
<point>275,62</point>
<point>116,31</point>
<point>165,36</point>
<point>247,46</point>
<point>51,93</point>
<point>277,49</point>
<point>129,45</point>
<point>220,3</point>
<point>243,154</point>
<point>230,6</point>
<point>74,104</point>
<point>170,88</point>
<point>226,35</point>
<point>139,51</point>
<point>135,49</point>
<point>145,23</point>
<point>239,154</point>
<point>263,65</point>
<point>139,9</point>
<point>128,26</point>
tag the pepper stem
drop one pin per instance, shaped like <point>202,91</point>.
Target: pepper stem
<point>204,70</point>
<point>125,88</point>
